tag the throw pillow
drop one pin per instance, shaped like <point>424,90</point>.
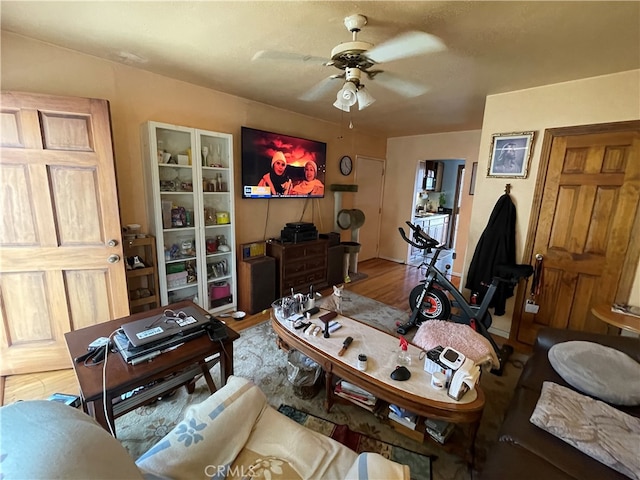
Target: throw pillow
<point>593,427</point>
<point>599,371</point>
<point>42,439</point>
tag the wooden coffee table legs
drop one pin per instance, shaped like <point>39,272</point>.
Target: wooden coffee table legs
<point>328,385</point>
<point>462,443</point>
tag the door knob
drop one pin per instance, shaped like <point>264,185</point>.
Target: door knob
<point>113,242</point>
<point>113,258</point>
<point>539,256</point>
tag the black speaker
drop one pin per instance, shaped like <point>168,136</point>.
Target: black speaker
<point>257,284</point>
<point>335,265</point>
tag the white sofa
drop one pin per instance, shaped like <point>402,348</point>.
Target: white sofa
<point>235,433</point>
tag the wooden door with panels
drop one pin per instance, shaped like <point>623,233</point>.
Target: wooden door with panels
<point>61,262</point>
<point>586,229</point>
<point>370,180</point>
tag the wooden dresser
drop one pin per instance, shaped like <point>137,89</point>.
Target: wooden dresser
<point>299,265</point>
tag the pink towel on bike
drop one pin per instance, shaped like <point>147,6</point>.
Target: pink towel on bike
<point>459,337</point>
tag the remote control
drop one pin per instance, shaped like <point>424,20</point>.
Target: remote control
<point>328,316</point>
<point>311,311</point>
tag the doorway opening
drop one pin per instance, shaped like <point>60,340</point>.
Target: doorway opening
<point>437,199</point>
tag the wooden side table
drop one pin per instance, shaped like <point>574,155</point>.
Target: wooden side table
<point>161,375</point>
<point>619,320</point>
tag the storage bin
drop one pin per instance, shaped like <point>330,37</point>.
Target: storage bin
<point>176,268</point>
<point>176,279</point>
<point>219,290</point>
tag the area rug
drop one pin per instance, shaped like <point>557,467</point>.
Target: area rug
<point>257,357</point>
<point>419,464</point>
<point>371,312</point>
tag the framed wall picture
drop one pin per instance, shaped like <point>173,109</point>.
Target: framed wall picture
<point>472,183</point>
<point>510,154</point>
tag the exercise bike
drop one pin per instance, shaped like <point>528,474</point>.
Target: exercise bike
<point>429,299</point>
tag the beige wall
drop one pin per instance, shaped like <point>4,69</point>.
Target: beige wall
<point>403,155</point>
<point>610,98</point>
<point>136,96</point>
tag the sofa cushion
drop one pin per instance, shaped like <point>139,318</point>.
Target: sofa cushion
<point>518,430</point>
<point>591,426</point>
<point>537,370</point>
<point>509,461</point>
<point>599,371</point>
<point>42,439</point>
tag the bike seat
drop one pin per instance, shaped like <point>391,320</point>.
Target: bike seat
<point>513,273</point>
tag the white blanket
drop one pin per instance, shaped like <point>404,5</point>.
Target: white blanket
<point>236,434</point>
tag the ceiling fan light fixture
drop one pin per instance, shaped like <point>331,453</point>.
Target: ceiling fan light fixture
<point>348,94</point>
<point>364,98</point>
<point>341,106</point>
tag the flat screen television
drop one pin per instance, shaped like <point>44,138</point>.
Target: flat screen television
<point>281,166</point>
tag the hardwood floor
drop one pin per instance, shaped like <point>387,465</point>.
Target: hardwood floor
<point>387,282</point>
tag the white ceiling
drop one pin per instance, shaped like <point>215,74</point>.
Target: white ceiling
<point>493,47</point>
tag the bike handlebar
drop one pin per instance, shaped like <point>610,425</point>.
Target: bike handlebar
<point>422,240</point>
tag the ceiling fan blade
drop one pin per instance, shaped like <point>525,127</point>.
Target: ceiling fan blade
<point>406,45</point>
<point>289,56</point>
<point>406,88</point>
<point>321,88</point>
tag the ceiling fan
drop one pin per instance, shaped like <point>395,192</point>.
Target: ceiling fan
<point>358,59</point>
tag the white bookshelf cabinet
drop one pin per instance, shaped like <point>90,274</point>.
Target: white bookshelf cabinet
<point>190,200</point>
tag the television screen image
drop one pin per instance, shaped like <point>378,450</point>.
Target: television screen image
<point>281,166</point>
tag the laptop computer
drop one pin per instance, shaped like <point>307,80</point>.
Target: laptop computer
<point>131,353</point>
<point>155,329</point>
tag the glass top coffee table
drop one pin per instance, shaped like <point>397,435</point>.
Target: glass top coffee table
<point>381,349</point>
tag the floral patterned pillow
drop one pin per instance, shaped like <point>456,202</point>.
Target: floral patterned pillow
<point>250,464</point>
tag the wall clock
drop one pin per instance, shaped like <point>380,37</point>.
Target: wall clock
<point>346,165</point>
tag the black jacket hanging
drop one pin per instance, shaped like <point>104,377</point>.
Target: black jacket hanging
<point>497,246</point>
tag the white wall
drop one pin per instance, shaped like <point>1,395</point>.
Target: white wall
<point>609,98</point>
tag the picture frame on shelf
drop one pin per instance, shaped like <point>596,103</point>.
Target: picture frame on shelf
<point>510,154</point>
<point>472,182</point>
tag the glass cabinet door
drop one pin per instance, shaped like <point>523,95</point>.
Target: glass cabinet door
<point>217,204</point>
<point>189,183</point>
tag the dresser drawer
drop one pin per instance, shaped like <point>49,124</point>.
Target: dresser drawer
<point>299,265</point>
<point>300,283</point>
<point>305,250</point>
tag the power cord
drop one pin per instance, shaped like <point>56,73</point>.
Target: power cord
<point>266,220</point>
<point>104,383</point>
<point>107,346</point>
